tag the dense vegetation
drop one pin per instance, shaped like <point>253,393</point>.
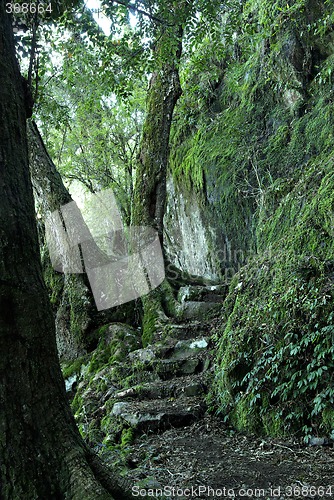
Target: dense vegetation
<point>267,133</point>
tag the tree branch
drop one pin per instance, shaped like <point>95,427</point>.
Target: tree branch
<point>142,12</point>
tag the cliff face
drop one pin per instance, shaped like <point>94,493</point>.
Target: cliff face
<point>194,239</point>
<point>256,154</point>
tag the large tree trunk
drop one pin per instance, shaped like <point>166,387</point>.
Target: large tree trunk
<point>150,188</point>
<point>42,453</point>
<point>149,197</point>
<point>72,297</point>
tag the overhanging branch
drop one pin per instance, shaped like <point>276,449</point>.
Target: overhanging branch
<point>142,12</point>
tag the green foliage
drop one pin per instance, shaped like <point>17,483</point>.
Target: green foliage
<point>276,352</point>
<point>127,437</point>
<point>91,131</point>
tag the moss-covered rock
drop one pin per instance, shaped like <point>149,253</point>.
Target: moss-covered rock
<point>104,371</point>
<point>276,349</point>
<point>275,361</point>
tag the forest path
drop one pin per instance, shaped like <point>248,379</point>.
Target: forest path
<point>208,460</point>
<point>179,448</point>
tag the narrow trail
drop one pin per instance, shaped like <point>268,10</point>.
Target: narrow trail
<point>178,448</point>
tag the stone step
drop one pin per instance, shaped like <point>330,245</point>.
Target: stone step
<point>188,347</point>
<point>170,368</point>
<point>183,357</point>
<point>215,293</point>
<point>188,330</point>
<point>192,309</point>
<point>158,415</point>
<point>194,385</point>
<point>171,348</point>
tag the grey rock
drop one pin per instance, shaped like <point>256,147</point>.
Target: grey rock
<point>195,389</point>
<point>189,238</point>
<point>189,366</point>
<point>316,441</point>
<point>119,408</point>
<point>170,368</point>
<point>70,381</point>
<point>143,355</point>
<point>193,309</point>
<point>192,344</point>
<point>214,293</point>
<point>155,415</point>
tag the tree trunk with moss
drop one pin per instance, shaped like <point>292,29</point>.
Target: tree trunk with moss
<point>42,453</point>
<point>71,296</point>
<point>151,172</point>
<point>150,188</point>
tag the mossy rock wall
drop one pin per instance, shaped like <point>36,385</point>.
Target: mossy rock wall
<point>193,239</point>
<point>242,127</point>
<point>275,362</point>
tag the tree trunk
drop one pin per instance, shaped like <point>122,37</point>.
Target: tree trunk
<point>149,197</point>
<point>42,453</point>
<point>151,172</point>
<point>72,298</point>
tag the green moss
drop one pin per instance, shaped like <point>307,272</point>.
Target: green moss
<point>77,405</point>
<point>244,417</point>
<point>76,294</point>
<point>71,367</point>
<point>272,422</point>
<point>127,437</point>
<point>152,304</point>
<point>54,281</point>
<point>328,420</point>
<point>100,357</point>
<point>105,370</point>
<point>112,351</point>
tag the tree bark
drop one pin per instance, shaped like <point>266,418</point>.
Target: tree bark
<point>74,303</point>
<point>42,453</point>
<point>151,170</point>
<point>149,197</point>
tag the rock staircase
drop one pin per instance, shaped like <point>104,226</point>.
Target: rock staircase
<point>155,388</point>
<point>172,376</point>
<point>175,394</point>
<point>144,412</point>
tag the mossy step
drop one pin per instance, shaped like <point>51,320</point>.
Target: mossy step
<point>188,347</point>
<point>170,368</point>
<point>171,349</point>
<point>192,309</point>
<point>215,293</point>
<point>188,330</point>
<point>159,415</point>
<point>187,357</point>
<point>188,385</point>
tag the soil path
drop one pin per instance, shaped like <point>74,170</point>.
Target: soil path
<point>206,460</point>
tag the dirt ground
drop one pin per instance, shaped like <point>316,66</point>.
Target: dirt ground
<point>207,460</point>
